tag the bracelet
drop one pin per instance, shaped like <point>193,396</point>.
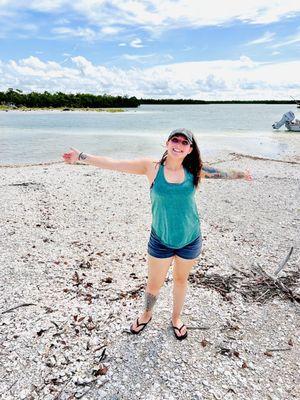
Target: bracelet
<point>82,156</point>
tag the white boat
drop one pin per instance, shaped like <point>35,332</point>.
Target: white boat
<point>288,119</point>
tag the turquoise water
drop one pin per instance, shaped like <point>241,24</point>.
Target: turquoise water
<point>28,137</point>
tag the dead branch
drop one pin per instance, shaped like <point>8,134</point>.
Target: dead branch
<point>281,266</point>
<point>18,306</point>
<point>262,158</point>
<point>286,349</point>
<point>201,328</point>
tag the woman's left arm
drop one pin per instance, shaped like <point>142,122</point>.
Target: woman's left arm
<point>212,172</point>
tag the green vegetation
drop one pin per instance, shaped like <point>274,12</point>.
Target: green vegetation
<point>22,108</point>
<point>191,101</point>
<point>16,98</point>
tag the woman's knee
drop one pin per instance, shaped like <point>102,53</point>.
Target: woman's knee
<point>182,269</point>
<point>153,287</point>
<point>180,280</point>
<point>157,272</point>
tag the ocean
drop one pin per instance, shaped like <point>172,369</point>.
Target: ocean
<point>42,136</point>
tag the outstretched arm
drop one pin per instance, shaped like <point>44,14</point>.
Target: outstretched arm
<point>138,166</point>
<point>212,172</point>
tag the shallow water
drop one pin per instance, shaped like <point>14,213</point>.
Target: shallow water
<point>28,137</point>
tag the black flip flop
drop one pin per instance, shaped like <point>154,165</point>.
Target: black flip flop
<point>179,329</point>
<point>138,324</point>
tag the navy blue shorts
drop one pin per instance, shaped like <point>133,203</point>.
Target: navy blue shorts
<point>157,249</point>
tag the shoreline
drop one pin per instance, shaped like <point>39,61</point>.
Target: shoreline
<point>235,156</point>
<point>212,159</point>
<point>63,109</point>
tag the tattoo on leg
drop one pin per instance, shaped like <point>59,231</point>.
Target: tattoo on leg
<point>150,300</point>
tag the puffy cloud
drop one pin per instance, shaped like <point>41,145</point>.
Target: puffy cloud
<point>85,33</point>
<point>159,14</point>
<point>220,79</point>
<point>111,30</point>
<point>186,13</point>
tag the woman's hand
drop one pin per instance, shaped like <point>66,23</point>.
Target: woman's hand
<point>71,157</point>
<point>247,175</point>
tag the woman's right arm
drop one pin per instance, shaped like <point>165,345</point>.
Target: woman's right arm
<point>137,166</point>
<point>212,172</point>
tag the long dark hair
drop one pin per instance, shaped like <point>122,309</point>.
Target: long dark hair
<point>192,162</point>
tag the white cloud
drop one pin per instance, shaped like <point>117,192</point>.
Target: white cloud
<point>85,33</point>
<point>293,39</point>
<point>267,37</point>
<point>136,43</point>
<point>168,14</point>
<point>220,79</point>
<point>137,57</point>
<point>158,15</point>
<point>110,30</point>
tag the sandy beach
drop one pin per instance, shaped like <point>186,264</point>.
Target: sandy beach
<point>73,271</point>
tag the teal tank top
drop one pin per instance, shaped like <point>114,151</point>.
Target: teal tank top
<point>175,218</point>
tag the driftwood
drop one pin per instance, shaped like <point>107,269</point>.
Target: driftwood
<point>222,284</point>
<point>30,164</point>
<point>18,306</point>
<point>276,283</point>
<point>9,388</point>
<point>256,285</point>
<point>239,155</point>
<point>133,293</point>
<point>286,349</point>
<point>284,262</point>
<point>200,328</point>
<point>25,184</point>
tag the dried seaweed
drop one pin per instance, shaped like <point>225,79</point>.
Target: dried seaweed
<point>255,286</point>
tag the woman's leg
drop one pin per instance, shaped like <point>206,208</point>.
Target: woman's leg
<point>157,271</point>
<point>181,270</point>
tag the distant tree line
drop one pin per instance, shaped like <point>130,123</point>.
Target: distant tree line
<point>59,99</point>
<point>17,98</point>
<point>172,101</point>
<point>191,101</point>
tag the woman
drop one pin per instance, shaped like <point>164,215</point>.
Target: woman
<point>175,230</point>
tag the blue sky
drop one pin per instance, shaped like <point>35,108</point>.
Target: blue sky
<point>167,48</point>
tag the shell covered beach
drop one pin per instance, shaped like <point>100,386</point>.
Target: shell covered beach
<point>73,272</point>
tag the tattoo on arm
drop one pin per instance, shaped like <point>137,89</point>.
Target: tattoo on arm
<point>150,300</point>
<point>211,172</point>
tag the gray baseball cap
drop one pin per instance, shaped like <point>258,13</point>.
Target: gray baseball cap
<point>182,131</point>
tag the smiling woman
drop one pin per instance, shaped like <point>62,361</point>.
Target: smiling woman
<point>175,229</point>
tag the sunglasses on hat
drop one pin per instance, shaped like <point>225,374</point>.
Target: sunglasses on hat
<point>176,140</point>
